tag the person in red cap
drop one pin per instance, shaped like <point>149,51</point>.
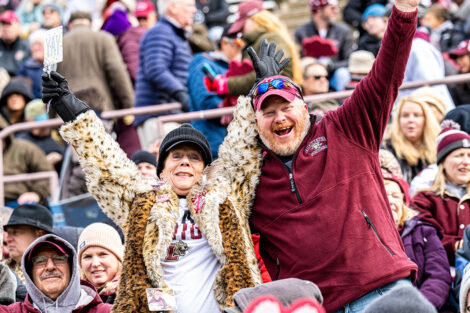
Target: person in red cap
<point>13,49</point>
<point>321,182</point>
<point>461,92</point>
<point>145,13</point>
<point>326,38</point>
<point>53,281</point>
<point>256,24</point>
<point>446,202</point>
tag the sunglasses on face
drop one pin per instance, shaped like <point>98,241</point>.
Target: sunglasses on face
<point>277,83</point>
<point>41,260</point>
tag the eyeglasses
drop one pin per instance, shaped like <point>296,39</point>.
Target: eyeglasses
<point>41,260</point>
<point>317,77</point>
<point>277,83</point>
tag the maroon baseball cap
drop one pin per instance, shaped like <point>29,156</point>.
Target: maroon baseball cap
<point>9,17</point>
<point>143,8</point>
<point>316,5</point>
<point>44,243</point>
<point>245,10</point>
<point>462,49</point>
<point>289,91</point>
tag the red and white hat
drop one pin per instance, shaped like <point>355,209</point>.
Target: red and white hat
<point>450,139</point>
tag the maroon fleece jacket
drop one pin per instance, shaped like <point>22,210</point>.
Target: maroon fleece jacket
<point>329,220</point>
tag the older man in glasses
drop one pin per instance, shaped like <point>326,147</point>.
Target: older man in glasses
<point>52,281</point>
<point>319,203</point>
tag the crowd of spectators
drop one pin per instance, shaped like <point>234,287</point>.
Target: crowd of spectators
<point>139,53</point>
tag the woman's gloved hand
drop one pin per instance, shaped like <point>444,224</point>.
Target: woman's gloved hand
<point>56,89</point>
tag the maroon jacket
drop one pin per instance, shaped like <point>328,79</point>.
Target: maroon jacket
<point>329,221</point>
<point>95,306</point>
<point>448,214</point>
<point>128,43</point>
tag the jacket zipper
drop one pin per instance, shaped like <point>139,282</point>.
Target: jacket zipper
<point>376,233</point>
<point>293,188</point>
<point>278,269</point>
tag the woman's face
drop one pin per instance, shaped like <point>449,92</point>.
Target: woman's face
<point>183,168</point>
<point>99,265</point>
<point>396,199</point>
<point>457,166</point>
<point>412,122</point>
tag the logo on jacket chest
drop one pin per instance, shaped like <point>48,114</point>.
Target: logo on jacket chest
<point>316,145</point>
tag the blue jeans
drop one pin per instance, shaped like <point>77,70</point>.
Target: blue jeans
<point>361,303</point>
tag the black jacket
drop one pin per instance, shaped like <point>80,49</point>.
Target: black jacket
<point>369,43</point>
<point>338,32</point>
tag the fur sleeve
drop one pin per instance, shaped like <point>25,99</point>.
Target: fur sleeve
<point>111,177</point>
<point>240,157</point>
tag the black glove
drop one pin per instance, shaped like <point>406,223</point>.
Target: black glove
<point>56,89</point>
<point>267,63</point>
<point>182,97</point>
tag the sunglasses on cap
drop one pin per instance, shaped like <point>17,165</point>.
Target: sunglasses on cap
<point>278,83</point>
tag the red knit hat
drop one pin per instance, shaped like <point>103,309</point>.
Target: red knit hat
<point>401,183</point>
<point>450,139</point>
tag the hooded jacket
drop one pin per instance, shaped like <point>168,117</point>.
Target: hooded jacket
<point>16,86</point>
<point>77,296</point>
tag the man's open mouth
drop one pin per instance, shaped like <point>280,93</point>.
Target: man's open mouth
<point>282,131</point>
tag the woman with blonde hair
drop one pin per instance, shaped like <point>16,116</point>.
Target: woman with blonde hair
<point>446,203</point>
<point>256,24</point>
<point>411,136</point>
<point>422,244</point>
<point>100,254</point>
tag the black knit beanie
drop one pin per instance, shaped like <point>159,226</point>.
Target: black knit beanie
<point>144,156</point>
<point>183,134</point>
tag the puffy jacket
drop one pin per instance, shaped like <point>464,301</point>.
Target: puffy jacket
<point>164,56</point>
<point>423,246</point>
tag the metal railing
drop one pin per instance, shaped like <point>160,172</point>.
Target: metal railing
<point>179,117</point>
<point>215,113</point>
<point>52,175</point>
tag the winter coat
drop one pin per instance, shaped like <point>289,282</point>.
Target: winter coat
<point>464,289</point>
<point>20,157</point>
<point>215,12</point>
<point>339,33</point>
<point>369,43</point>
<point>426,63</point>
<point>202,99</point>
<point>241,85</point>
<point>16,86</point>
<point>409,171</point>
<point>164,57</point>
<point>449,214</point>
<point>128,43</point>
<point>337,227</point>
<point>32,69</point>
<point>460,93</point>
<point>98,63</point>
<point>352,13</point>
<point>77,297</point>
<point>145,209</point>
<point>12,55</point>
<point>462,259</point>
<point>423,246</point>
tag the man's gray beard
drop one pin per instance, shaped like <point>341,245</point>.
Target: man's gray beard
<point>292,146</point>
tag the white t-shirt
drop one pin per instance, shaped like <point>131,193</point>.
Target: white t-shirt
<point>190,266</point>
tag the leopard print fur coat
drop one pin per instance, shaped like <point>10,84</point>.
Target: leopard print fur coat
<point>145,209</point>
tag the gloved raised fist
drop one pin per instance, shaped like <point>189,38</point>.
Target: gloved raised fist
<point>267,63</point>
<point>56,89</point>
